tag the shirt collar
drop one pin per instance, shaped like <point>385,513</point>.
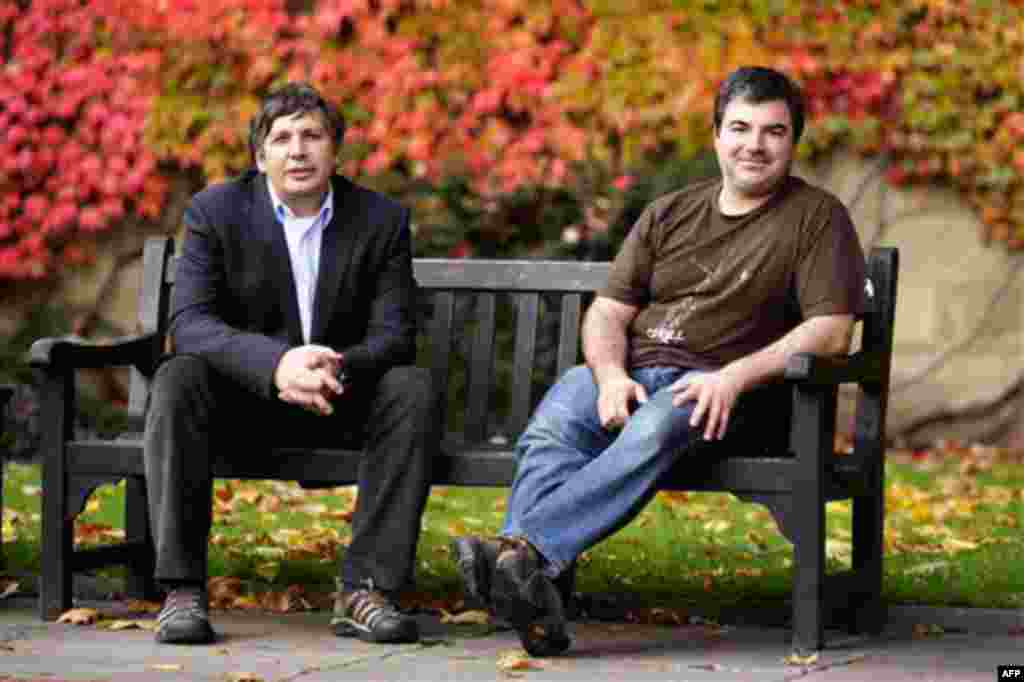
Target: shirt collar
<point>283,213</point>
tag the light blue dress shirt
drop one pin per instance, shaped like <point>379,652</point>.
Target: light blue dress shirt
<point>304,236</point>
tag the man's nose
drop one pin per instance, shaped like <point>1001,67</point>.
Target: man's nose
<point>297,148</point>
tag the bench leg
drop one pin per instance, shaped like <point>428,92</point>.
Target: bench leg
<point>57,396</point>
<point>57,546</point>
<point>813,421</point>
<point>868,613</point>
<point>140,583</point>
<point>809,579</point>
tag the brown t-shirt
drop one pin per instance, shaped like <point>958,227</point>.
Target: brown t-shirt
<point>712,288</point>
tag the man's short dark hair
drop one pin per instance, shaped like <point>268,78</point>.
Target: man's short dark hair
<point>288,100</point>
<point>757,84</point>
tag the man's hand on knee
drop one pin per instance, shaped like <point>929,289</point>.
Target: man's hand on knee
<point>715,394</point>
<point>307,376</point>
<point>616,400</point>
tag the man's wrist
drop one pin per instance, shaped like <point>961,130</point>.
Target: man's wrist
<point>605,374</point>
<point>739,372</point>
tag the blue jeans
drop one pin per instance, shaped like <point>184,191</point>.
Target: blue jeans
<point>576,482</point>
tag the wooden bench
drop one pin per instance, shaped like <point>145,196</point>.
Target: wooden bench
<point>794,484</point>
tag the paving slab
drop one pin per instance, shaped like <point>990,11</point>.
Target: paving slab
<point>301,648</point>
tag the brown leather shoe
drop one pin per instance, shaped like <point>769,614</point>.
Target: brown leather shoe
<point>527,598</point>
<point>474,557</point>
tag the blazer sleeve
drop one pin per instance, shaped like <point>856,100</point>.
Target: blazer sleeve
<point>391,330</point>
<point>198,326</point>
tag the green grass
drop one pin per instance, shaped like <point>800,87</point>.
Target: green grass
<point>950,538</point>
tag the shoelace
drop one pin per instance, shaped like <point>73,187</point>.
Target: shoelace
<point>182,603</point>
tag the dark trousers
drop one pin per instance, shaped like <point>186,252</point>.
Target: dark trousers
<point>197,415</point>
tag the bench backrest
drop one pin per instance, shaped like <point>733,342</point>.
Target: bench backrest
<point>486,318</point>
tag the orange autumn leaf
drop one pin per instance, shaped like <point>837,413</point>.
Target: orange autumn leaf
<point>516,660</point>
<point>140,606</point>
<point>81,616</point>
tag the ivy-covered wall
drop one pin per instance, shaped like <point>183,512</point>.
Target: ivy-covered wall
<point>102,101</point>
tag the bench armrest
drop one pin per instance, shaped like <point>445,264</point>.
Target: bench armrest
<point>75,352</point>
<point>861,367</point>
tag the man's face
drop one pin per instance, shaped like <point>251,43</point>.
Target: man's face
<point>754,146</point>
<point>298,157</point>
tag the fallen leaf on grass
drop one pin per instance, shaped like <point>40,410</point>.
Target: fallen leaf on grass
<point>128,625</point>
<point>516,660</point>
<point>475,617</point>
<point>140,606</point>
<point>921,631</point>
<point>291,600</point>
<point>953,545</point>
<point>927,568</point>
<point>243,677</point>
<point>268,570</point>
<point>660,616</point>
<point>718,526</point>
<point>796,659</point>
<point>223,590</point>
<point>249,495</point>
<point>247,603</point>
<point>79,616</point>
<point>166,667</point>
<point>9,589</point>
<point>749,572</point>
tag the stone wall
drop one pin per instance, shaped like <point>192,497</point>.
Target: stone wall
<point>959,337</point>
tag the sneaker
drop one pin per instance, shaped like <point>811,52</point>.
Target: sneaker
<point>371,616</point>
<point>474,558</point>
<point>528,599</point>
<point>185,618</point>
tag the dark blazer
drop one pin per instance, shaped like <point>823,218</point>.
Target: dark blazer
<point>234,300</point>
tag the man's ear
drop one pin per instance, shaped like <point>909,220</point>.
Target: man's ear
<point>259,160</point>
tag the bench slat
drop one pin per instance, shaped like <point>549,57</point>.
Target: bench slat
<point>481,370</point>
<point>569,332</point>
<point>509,275</point>
<point>527,313</point>
<point>440,349</point>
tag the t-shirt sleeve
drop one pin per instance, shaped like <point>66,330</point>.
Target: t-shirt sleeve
<point>831,273</point>
<point>630,278</point>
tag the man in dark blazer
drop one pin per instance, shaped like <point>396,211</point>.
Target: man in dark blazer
<point>292,324</point>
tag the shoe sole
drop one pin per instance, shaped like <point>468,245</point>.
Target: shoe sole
<point>346,628</point>
<point>468,556</point>
<point>186,637</point>
<point>534,610</point>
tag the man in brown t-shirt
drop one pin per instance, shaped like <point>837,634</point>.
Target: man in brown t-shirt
<point>715,287</point>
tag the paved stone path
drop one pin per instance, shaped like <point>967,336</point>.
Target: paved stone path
<point>300,648</point>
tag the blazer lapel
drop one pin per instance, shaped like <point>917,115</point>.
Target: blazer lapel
<point>281,260</point>
<point>334,261</point>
